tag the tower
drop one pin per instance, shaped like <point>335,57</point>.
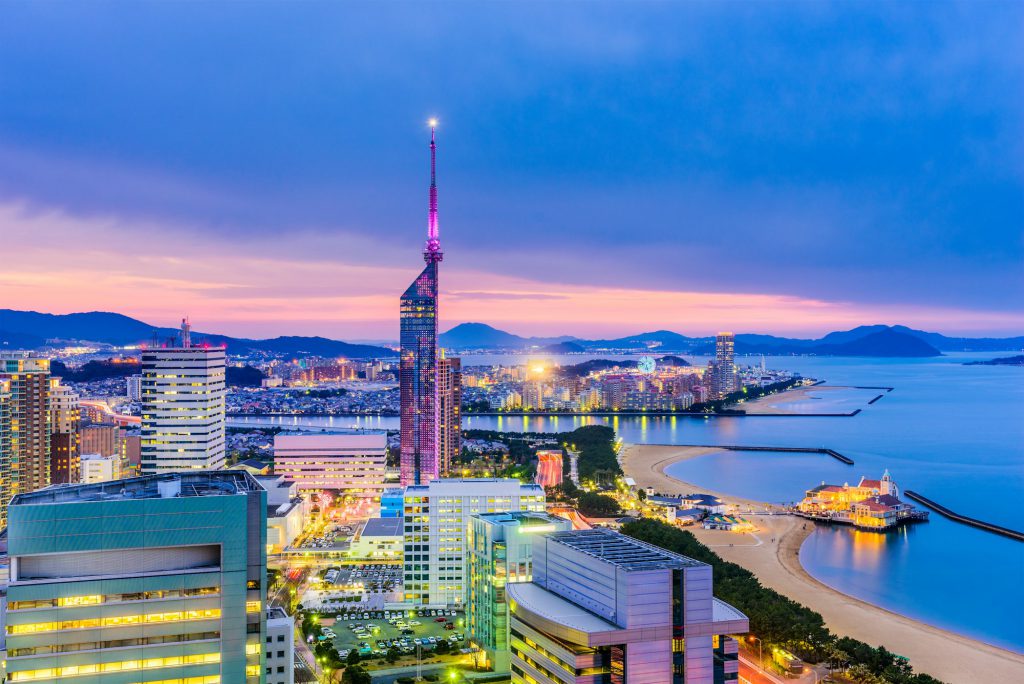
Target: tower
<point>449,411</point>
<point>418,388</point>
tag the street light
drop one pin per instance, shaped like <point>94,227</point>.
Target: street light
<point>760,658</point>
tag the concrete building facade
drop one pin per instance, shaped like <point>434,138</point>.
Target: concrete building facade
<point>436,525</point>
<point>183,420</point>
<point>604,607</point>
<point>156,578</point>
<point>349,463</point>
<point>28,462</point>
<point>500,552</point>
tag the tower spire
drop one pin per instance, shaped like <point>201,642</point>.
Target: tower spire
<point>432,251</point>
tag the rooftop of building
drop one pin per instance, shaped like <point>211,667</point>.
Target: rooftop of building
<point>276,613</point>
<point>621,551</point>
<point>466,485</point>
<point>161,486</point>
<point>521,518</point>
<point>382,527</point>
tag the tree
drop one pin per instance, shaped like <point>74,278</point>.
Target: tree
<point>353,657</point>
<point>641,494</point>
<point>355,674</point>
<point>443,647</point>
<point>392,655</point>
<point>598,505</point>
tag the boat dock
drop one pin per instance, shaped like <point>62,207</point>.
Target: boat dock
<point>973,522</point>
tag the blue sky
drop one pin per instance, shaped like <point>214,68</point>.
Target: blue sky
<point>264,164</point>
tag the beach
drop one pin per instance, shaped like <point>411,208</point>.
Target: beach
<point>780,403</point>
<point>772,553</point>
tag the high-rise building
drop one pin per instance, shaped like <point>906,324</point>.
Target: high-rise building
<point>724,375</point>
<point>29,462</point>
<point>449,412</point>
<point>133,387</point>
<point>157,578</point>
<point>100,438</point>
<point>500,552</point>
<point>348,463</point>
<point>183,421</point>
<point>436,524</point>
<point>5,448</point>
<point>65,421</point>
<point>605,607</point>
<point>419,459</point>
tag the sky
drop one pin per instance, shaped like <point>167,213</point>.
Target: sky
<point>604,168</point>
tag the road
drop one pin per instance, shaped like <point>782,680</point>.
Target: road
<point>117,418</point>
<point>750,673</point>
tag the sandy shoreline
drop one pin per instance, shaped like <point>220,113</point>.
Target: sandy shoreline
<point>778,403</point>
<point>772,553</point>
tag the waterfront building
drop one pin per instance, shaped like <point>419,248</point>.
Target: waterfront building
<point>549,467</point>
<point>419,459</point>
<point>65,421</point>
<point>724,377</point>
<point>436,523</point>
<point>449,412</point>
<point>348,463</point>
<point>500,552</point>
<point>100,468</point>
<point>870,504</point>
<point>183,419</point>
<point>280,665</point>
<point>602,606</point>
<point>160,578</point>
<point>28,463</point>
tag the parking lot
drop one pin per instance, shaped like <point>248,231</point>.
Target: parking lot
<point>364,580</point>
<point>372,633</point>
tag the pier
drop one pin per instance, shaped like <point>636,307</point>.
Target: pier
<point>963,519</point>
<point>797,450</point>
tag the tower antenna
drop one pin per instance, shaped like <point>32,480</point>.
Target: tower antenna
<point>432,252</point>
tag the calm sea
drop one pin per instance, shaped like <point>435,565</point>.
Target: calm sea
<point>954,433</point>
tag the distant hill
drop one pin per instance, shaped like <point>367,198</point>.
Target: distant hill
<point>563,348</point>
<point>1005,361</point>
<point>483,336</point>
<point>884,343</point>
<point>30,330</point>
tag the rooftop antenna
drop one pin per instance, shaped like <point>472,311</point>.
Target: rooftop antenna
<point>432,251</point>
<point>186,333</point>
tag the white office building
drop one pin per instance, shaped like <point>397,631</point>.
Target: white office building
<point>603,606</point>
<point>183,392</point>
<point>349,463</point>
<point>100,468</point>
<point>280,667</point>
<point>437,518</point>
<point>134,387</point>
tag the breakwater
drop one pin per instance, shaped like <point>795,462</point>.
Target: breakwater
<point>963,519</point>
<point>792,450</point>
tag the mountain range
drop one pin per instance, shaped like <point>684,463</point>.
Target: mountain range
<point>865,340</point>
<point>33,330</point>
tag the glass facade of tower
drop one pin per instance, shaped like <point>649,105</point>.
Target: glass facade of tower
<point>419,461</point>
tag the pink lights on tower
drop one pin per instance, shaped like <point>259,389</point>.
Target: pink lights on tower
<point>432,251</point>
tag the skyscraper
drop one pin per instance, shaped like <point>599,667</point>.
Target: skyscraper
<point>449,411</point>
<point>420,459</point>
<point>724,376</point>
<point>65,420</point>
<point>154,579</point>
<point>183,406</point>
<point>29,463</point>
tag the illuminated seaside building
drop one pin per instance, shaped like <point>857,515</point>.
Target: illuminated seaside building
<point>436,523</point>
<point>160,578</point>
<point>500,552</point>
<point>871,504</point>
<point>420,460</point>
<point>449,411</point>
<point>349,463</point>
<point>602,606</point>
<point>183,415</point>
<point>28,462</point>
<point>724,377</point>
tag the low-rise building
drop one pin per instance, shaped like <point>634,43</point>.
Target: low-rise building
<point>287,512</point>
<point>379,539</point>
<point>280,647</point>
<point>100,468</point>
